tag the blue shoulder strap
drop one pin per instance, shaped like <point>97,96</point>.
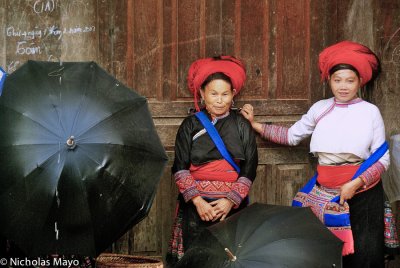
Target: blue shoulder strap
<point>216,138</point>
<point>367,163</point>
<point>372,159</point>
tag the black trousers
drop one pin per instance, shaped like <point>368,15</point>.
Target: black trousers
<point>366,217</point>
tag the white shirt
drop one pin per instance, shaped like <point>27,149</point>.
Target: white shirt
<point>354,128</point>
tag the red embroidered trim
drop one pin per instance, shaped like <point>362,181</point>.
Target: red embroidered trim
<point>337,104</point>
<point>189,187</point>
<point>327,111</point>
<point>240,190</point>
<point>235,198</point>
<point>186,184</point>
<point>213,189</point>
<point>175,245</point>
<point>276,134</point>
<point>373,174</point>
<point>346,104</point>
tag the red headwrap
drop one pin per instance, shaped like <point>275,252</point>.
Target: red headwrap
<point>202,68</point>
<point>347,52</point>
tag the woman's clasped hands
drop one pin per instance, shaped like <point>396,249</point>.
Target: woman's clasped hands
<point>213,211</point>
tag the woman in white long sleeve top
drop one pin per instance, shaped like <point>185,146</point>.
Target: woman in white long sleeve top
<point>345,130</point>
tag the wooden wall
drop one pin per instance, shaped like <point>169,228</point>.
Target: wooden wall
<point>150,44</point>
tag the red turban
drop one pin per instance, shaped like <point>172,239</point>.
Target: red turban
<point>347,52</point>
<point>202,68</point>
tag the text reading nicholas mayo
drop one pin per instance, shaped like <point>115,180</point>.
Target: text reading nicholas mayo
<point>39,262</point>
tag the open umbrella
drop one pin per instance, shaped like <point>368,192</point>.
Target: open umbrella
<point>264,235</point>
<point>80,159</point>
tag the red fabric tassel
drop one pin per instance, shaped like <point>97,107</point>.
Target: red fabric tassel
<point>347,237</point>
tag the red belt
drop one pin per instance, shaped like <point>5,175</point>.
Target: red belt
<point>335,176</point>
<point>218,170</point>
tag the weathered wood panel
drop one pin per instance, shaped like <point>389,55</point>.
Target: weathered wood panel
<point>147,47</point>
<point>293,46</point>
<point>169,60</point>
<point>188,41</point>
<point>105,35</point>
<point>323,30</point>
<point>211,27</point>
<point>250,39</point>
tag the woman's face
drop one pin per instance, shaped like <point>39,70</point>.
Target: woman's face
<point>217,96</point>
<point>344,85</point>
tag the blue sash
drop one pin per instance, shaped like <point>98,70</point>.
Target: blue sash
<point>216,138</point>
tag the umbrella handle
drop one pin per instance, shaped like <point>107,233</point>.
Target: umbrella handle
<point>230,255</point>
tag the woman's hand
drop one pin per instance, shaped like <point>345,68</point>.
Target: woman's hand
<point>222,207</point>
<point>204,209</point>
<point>348,190</point>
<point>248,112</point>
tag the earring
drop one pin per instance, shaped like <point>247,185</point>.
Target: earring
<point>202,101</point>
<point>233,103</point>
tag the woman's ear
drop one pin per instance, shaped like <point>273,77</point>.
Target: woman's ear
<point>202,93</point>
<point>234,92</point>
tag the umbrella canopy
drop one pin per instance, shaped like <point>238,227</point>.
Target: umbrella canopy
<point>264,235</point>
<point>80,159</point>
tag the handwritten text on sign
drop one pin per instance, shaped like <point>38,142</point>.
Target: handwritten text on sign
<point>40,34</point>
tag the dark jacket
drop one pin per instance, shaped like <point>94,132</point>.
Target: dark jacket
<point>235,131</point>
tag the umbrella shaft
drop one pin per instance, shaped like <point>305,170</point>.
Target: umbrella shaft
<point>230,254</point>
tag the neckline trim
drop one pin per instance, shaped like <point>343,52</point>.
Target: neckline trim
<point>346,104</point>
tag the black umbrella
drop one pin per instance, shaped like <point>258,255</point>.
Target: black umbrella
<point>80,159</point>
<point>264,235</point>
